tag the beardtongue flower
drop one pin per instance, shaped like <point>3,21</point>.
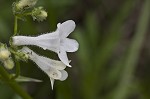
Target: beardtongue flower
<point>56,41</point>
<point>53,68</point>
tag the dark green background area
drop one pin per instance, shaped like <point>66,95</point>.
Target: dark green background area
<point>111,61</point>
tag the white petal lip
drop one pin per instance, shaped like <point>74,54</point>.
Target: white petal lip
<point>70,45</point>
<point>54,73</point>
<point>64,75</point>
<point>66,28</point>
<point>63,57</point>
<point>58,65</point>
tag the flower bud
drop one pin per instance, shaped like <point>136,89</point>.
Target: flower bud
<point>8,64</point>
<point>21,56</point>
<point>25,4</point>
<point>39,14</point>
<point>4,54</point>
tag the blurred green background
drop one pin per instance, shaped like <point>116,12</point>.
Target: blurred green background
<point>114,54</point>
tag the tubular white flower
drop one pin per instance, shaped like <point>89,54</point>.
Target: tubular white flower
<point>46,41</point>
<point>54,69</point>
<point>56,41</point>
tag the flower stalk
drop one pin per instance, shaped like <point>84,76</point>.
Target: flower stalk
<point>17,69</point>
<point>15,25</point>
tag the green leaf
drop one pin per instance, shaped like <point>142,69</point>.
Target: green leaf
<point>26,79</point>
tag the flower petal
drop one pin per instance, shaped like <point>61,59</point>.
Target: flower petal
<point>50,44</point>
<point>66,28</point>
<point>53,73</point>
<point>52,82</point>
<point>23,40</point>
<point>69,45</point>
<point>64,75</point>
<point>39,60</point>
<point>54,69</point>
<point>58,65</point>
<point>52,35</point>
<point>63,57</point>
<point>43,62</point>
<point>49,41</point>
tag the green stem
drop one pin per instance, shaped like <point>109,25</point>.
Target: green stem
<point>13,84</point>
<point>15,32</point>
<point>133,54</point>
<point>15,25</point>
<point>17,69</point>
<point>4,74</point>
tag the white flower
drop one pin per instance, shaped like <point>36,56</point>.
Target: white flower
<point>54,69</point>
<point>56,41</point>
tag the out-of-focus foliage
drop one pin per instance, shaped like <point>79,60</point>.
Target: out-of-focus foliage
<point>106,31</point>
